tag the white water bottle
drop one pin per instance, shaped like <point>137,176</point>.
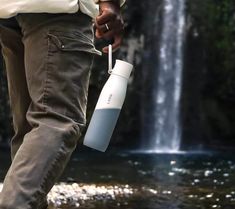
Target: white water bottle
<point>108,107</point>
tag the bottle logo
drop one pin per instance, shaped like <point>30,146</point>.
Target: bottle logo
<point>109,99</point>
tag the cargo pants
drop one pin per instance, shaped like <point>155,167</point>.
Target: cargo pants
<point>48,58</point>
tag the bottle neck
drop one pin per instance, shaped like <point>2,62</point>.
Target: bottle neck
<point>114,75</point>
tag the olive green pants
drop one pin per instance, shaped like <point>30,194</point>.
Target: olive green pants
<point>48,58</point>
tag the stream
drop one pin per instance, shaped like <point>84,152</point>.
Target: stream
<point>135,180</point>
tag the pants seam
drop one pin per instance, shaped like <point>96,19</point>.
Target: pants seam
<point>46,82</point>
<point>43,181</point>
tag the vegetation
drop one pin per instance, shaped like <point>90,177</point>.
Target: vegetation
<point>213,25</point>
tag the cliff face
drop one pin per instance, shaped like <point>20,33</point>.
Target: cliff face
<point>208,98</point>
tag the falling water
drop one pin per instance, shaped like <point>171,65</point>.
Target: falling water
<point>167,135</point>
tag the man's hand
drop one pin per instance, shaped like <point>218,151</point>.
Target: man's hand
<point>109,24</point>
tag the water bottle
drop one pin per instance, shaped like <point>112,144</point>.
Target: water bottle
<point>108,107</point>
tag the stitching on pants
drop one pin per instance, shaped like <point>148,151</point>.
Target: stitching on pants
<point>54,41</point>
<point>46,82</point>
<point>63,154</point>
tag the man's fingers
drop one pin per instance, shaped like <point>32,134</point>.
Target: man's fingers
<point>109,24</point>
<point>109,29</point>
<point>116,44</point>
<point>109,34</point>
<point>98,34</point>
<point>106,16</point>
<point>105,27</point>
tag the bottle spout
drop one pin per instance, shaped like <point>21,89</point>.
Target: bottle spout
<point>121,68</point>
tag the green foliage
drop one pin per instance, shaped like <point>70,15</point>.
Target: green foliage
<point>216,24</point>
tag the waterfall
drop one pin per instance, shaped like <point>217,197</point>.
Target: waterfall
<point>167,133</point>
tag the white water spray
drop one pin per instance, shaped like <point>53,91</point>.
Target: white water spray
<point>167,134</point>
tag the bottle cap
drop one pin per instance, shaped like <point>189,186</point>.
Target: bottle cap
<point>122,68</point>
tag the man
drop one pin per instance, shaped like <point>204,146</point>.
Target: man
<point>48,51</point>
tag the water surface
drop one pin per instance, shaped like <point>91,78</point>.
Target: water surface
<point>145,181</point>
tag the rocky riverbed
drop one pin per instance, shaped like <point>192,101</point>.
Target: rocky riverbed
<point>65,195</point>
<point>145,181</point>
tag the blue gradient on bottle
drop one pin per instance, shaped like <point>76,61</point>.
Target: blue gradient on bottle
<point>101,128</point>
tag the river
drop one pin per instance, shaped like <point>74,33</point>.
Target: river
<point>131,180</point>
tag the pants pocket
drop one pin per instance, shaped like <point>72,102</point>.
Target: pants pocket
<point>72,41</point>
<point>69,60</point>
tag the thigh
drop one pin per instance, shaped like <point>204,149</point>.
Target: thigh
<point>58,57</point>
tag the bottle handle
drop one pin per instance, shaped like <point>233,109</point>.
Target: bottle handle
<point>110,60</point>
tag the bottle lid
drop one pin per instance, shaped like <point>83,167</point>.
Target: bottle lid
<point>122,68</point>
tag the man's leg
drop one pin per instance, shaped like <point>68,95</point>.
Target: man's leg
<point>58,57</point>
<point>13,53</point>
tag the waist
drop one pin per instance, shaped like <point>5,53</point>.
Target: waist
<point>12,8</point>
